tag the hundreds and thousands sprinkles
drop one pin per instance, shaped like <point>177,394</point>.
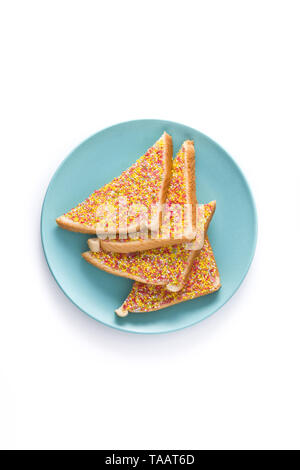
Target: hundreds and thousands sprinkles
<point>177,262</point>
<point>172,223</point>
<point>163,266</point>
<point>203,279</point>
<point>140,184</point>
<point>173,214</point>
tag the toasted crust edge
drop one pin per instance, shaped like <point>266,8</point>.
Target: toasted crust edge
<point>177,287</point>
<point>121,312</point>
<point>168,171</point>
<point>68,224</point>
<point>95,262</point>
<point>139,245</point>
<point>191,182</point>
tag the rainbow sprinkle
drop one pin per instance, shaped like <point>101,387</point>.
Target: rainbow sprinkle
<point>203,279</point>
<point>173,223</point>
<point>140,184</point>
<point>162,266</point>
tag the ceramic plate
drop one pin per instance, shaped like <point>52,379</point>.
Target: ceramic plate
<point>97,161</point>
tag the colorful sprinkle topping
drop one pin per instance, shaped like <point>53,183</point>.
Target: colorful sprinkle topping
<point>140,184</point>
<point>203,279</point>
<point>163,266</point>
<point>173,219</point>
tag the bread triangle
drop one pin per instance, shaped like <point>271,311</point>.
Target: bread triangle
<point>204,279</point>
<point>145,182</point>
<point>181,194</point>
<point>168,266</point>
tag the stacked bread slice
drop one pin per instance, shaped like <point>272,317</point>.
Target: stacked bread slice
<point>158,236</point>
<point>167,266</point>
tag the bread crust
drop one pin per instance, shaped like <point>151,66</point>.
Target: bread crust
<point>168,164</point>
<point>139,245</point>
<point>193,255</point>
<point>121,312</point>
<point>191,182</point>
<point>68,224</point>
<point>131,246</point>
<point>95,262</point>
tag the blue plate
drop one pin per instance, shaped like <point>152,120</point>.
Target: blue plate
<point>98,160</point>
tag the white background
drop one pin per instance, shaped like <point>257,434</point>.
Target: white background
<point>229,69</point>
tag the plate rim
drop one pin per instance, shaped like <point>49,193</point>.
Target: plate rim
<point>255,228</point>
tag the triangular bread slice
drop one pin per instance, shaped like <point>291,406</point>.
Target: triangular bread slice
<point>168,266</point>
<point>145,184</point>
<point>204,279</point>
<point>181,195</point>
